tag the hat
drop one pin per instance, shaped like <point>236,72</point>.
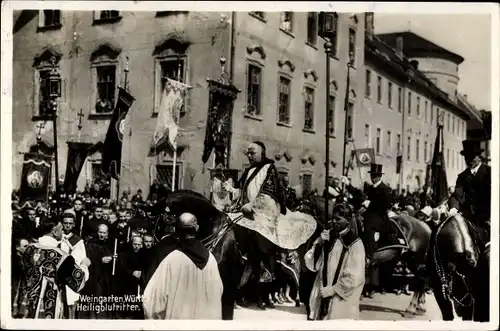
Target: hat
<point>375,169</point>
<point>471,148</point>
<point>427,211</point>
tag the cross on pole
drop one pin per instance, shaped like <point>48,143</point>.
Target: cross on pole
<point>40,126</point>
<point>80,115</point>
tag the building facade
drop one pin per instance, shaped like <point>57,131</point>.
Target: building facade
<point>403,103</point>
<point>276,59</point>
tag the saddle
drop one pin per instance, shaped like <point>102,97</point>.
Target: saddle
<point>385,232</point>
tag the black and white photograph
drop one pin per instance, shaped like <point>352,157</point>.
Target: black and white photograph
<point>329,166</point>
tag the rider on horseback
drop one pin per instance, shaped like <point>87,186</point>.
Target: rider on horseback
<point>260,189</point>
<point>472,195</point>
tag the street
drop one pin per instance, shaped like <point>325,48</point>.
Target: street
<point>384,307</point>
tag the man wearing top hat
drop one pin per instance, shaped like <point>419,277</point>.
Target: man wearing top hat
<point>472,194</point>
<point>378,203</point>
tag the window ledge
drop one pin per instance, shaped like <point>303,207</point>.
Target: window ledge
<point>49,27</point>
<point>309,130</point>
<point>333,136</point>
<point>288,125</point>
<point>289,33</point>
<point>105,116</point>
<point>169,13</point>
<point>262,19</point>
<point>335,57</point>
<point>36,118</point>
<point>254,117</point>
<point>368,97</point>
<point>110,20</point>
<point>311,45</point>
<point>379,102</point>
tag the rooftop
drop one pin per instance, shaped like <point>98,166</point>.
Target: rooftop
<point>417,46</point>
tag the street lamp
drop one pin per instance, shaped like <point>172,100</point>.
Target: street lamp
<point>410,74</point>
<point>55,92</point>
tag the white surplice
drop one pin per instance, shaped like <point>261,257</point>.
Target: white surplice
<point>79,253</point>
<point>347,291</point>
<point>180,290</point>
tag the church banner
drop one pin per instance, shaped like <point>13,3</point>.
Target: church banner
<point>77,154</point>
<point>112,149</point>
<point>218,130</point>
<point>35,177</point>
<point>365,156</point>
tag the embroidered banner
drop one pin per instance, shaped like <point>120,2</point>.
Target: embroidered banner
<point>35,177</point>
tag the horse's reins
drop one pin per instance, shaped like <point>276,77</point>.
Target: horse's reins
<point>212,240</point>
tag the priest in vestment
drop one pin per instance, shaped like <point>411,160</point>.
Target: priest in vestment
<point>346,270</point>
<point>73,245</point>
<point>187,283</point>
<point>48,270</point>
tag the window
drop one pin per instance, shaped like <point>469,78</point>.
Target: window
<point>367,136</point>
<point>46,87</point>
<point>417,150</point>
<point>108,14</point>
<point>352,46</point>
<point>408,149</point>
<point>389,95</point>
<point>409,103</point>
<point>331,126</point>
<point>49,19</point>
<point>306,183</point>
<point>398,143</point>
<point>432,114</point>
<point>378,143</point>
<point>453,125</point>
<point>448,156</point>
<point>312,28</point>
<point>286,23</point>
<point>453,159</point>
<point>379,89</point>
<point>164,175</point>
<point>418,107</point>
<point>309,109</point>
<point>426,114</point>
<point>389,143</point>
<point>426,155</point>
<point>168,67</point>
<point>448,126</point>
<point>106,88</point>
<point>350,112</point>
<point>368,84</point>
<point>284,101</point>
<point>400,99</point>
<point>253,90</point>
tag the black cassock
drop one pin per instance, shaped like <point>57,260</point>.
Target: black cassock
<point>166,245</point>
<point>129,262</point>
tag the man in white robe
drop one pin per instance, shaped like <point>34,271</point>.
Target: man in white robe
<point>187,284</point>
<point>346,271</point>
<point>73,245</point>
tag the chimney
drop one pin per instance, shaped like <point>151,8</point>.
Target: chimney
<point>465,96</point>
<point>369,25</point>
<point>399,46</point>
<point>414,64</point>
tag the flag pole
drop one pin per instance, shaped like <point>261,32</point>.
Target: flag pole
<point>178,115</point>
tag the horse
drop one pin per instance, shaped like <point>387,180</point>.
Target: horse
<point>416,233</point>
<point>460,266</point>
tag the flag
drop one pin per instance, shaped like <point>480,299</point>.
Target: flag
<point>112,149</point>
<point>35,177</point>
<point>167,126</point>
<point>365,156</point>
<point>77,154</point>
<point>439,182</point>
<point>218,129</point>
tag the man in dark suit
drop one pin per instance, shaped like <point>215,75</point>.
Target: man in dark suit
<point>378,203</point>
<point>472,195</point>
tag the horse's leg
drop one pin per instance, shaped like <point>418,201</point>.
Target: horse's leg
<point>444,304</point>
<point>411,310</point>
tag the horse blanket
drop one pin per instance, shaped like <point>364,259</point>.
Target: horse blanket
<point>288,232</point>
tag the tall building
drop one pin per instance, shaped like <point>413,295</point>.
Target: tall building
<point>276,59</point>
<point>410,83</point>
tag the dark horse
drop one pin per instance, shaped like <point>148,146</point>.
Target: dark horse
<point>416,233</point>
<point>226,239</point>
<point>460,265</point>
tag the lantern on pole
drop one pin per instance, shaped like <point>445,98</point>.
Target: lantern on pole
<point>55,93</point>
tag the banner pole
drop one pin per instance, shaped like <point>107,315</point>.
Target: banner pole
<point>174,166</point>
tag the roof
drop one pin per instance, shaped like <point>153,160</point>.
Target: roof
<point>473,111</point>
<point>417,46</point>
<point>389,61</point>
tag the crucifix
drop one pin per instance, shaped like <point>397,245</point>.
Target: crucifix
<point>39,126</point>
<point>80,126</point>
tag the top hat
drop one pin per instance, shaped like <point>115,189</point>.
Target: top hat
<point>471,148</point>
<point>375,169</point>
